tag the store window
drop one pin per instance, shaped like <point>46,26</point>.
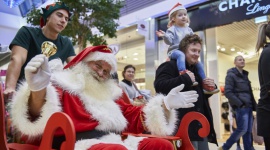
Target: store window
<point>131,51</point>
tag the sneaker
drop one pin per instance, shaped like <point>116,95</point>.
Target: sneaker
<point>195,83</point>
<point>211,92</point>
<point>182,72</point>
<point>220,148</point>
<point>185,71</point>
<point>209,89</point>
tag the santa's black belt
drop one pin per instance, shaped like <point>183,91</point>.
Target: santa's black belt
<point>79,136</point>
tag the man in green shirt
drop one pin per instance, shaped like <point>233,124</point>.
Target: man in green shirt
<point>28,40</point>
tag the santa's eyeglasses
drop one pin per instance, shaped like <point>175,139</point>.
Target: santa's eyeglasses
<point>99,68</point>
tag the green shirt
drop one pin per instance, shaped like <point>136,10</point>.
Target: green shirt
<point>31,39</point>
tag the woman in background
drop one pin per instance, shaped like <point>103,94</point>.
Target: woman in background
<point>127,83</point>
<point>263,108</point>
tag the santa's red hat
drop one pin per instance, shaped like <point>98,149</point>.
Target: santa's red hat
<point>95,53</point>
<point>176,7</point>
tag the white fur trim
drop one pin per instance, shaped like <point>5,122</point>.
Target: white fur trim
<point>108,57</point>
<point>155,120</point>
<point>98,98</point>
<point>56,65</point>
<point>86,144</point>
<point>19,111</point>
<point>114,120</point>
<point>131,143</point>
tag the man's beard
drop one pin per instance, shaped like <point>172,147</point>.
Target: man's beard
<point>91,83</point>
<point>87,72</point>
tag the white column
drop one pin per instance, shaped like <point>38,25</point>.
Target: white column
<point>212,72</point>
<point>151,55</point>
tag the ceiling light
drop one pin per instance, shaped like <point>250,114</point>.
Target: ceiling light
<point>249,55</point>
<point>232,49</point>
<point>218,47</point>
<point>137,29</point>
<point>135,58</point>
<point>135,54</point>
<point>239,53</point>
<point>252,53</point>
<point>222,49</point>
<point>125,56</point>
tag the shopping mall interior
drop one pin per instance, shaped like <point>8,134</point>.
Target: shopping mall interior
<point>237,38</point>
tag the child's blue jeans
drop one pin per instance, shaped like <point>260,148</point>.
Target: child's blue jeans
<point>179,56</point>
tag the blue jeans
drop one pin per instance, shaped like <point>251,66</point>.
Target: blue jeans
<point>244,121</point>
<point>179,56</point>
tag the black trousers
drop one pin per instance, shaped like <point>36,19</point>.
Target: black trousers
<point>57,140</point>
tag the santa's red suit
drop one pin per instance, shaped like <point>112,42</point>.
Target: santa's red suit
<point>94,106</point>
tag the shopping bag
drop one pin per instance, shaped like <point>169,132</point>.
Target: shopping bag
<point>256,138</point>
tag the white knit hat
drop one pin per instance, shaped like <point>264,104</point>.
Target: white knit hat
<point>176,7</point>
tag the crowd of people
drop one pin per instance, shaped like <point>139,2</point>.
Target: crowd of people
<point>87,89</point>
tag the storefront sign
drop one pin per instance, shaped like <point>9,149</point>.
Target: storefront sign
<point>227,11</point>
<point>252,6</point>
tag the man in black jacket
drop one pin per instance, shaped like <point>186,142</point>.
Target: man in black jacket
<point>239,93</point>
<point>167,77</point>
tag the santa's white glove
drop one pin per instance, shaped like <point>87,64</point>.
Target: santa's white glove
<point>177,99</point>
<point>37,73</point>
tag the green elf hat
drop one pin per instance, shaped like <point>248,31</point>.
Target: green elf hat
<point>46,12</point>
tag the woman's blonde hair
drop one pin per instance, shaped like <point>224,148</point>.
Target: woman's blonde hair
<point>263,32</point>
<point>173,15</point>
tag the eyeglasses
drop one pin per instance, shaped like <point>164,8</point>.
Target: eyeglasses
<point>99,68</point>
<point>133,72</point>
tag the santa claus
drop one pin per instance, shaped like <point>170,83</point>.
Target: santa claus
<point>85,92</point>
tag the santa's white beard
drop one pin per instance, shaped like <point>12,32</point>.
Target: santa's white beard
<point>82,68</point>
<point>93,84</point>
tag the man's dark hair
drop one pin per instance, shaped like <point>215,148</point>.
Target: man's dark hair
<point>189,39</point>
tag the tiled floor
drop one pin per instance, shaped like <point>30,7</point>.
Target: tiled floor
<point>214,147</point>
<point>225,137</point>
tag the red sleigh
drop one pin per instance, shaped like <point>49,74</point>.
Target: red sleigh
<point>61,120</point>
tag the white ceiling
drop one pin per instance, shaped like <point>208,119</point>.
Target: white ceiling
<point>239,35</point>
